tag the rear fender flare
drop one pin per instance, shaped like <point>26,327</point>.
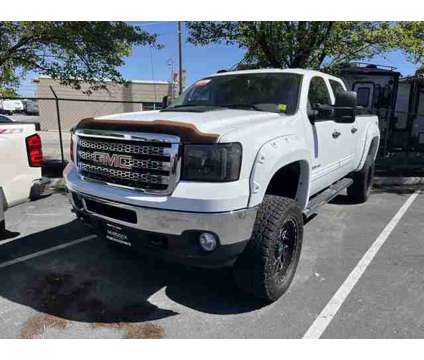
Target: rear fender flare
<point>371,143</point>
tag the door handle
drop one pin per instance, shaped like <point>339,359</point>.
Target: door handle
<point>336,134</point>
<point>353,130</point>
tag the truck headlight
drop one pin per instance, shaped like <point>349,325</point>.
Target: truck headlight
<point>211,163</point>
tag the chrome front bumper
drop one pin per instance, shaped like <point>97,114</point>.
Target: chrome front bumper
<point>230,227</point>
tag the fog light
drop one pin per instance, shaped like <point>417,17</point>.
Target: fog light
<point>208,241</point>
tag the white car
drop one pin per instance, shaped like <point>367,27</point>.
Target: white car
<point>21,158</point>
<point>227,174</point>
<point>11,106</point>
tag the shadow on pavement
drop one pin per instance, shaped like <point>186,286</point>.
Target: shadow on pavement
<point>380,189</point>
<point>93,283</point>
<point>342,200</point>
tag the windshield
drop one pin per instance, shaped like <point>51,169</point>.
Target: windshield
<point>276,92</point>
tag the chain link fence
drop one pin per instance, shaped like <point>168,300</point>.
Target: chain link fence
<point>56,116</point>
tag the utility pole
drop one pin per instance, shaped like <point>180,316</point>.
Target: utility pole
<point>59,127</point>
<point>180,60</point>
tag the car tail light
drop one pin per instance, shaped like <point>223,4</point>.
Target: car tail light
<point>34,150</point>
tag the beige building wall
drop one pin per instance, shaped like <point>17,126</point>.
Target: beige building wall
<point>146,93</point>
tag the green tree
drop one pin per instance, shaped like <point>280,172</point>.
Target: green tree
<point>67,51</point>
<point>410,38</point>
<point>309,44</point>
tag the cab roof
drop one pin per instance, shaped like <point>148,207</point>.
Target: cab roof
<point>264,71</point>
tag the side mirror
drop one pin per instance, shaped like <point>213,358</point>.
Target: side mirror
<point>345,107</point>
<point>165,102</point>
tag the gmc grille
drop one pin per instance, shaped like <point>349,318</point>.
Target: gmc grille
<point>150,166</point>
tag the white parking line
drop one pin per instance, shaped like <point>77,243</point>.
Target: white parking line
<point>45,251</point>
<point>330,310</point>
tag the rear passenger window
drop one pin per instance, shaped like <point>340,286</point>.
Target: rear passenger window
<point>318,92</point>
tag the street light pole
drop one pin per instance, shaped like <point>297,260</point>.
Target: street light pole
<point>180,59</point>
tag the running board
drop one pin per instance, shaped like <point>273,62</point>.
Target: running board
<point>327,195</point>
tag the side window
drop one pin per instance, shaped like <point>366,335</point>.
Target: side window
<point>318,92</point>
<point>336,87</point>
<point>363,96</point>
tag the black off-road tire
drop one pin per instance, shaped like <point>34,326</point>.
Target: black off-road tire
<point>360,190</point>
<point>277,237</point>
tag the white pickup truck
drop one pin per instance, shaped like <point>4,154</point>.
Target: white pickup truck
<point>227,174</point>
<point>21,158</point>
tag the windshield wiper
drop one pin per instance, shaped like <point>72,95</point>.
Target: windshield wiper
<point>182,105</point>
<point>192,107</point>
<point>200,105</point>
<point>213,105</point>
<point>244,106</point>
<point>264,107</point>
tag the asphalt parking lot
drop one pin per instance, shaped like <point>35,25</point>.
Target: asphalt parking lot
<point>59,281</point>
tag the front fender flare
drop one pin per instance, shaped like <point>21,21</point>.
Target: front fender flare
<point>271,157</point>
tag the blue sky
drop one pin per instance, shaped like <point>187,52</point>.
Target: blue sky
<point>199,61</point>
